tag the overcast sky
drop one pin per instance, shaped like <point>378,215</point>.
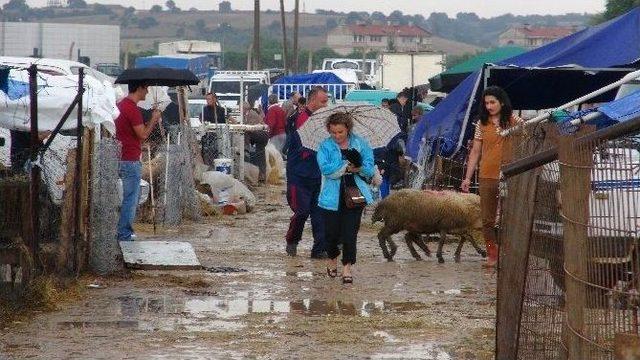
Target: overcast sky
<point>484,8</point>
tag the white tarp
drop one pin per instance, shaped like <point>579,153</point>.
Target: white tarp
<point>55,94</point>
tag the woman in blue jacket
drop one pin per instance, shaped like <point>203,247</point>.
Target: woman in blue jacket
<point>345,159</point>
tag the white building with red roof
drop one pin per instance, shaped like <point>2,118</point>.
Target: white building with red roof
<point>346,38</point>
<point>530,37</point>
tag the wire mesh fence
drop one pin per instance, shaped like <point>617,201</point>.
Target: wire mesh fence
<point>580,278</point>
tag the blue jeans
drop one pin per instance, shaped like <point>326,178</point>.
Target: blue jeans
<point>385,187</point>
<point>130,173</point>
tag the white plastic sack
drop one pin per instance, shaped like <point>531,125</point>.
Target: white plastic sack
<point>55,94</point>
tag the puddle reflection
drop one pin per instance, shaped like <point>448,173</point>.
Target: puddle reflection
<point>222,308</point>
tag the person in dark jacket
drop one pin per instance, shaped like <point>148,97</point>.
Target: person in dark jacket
<point>213,112</point>
<point>303,183</point>
<point>402,110</point>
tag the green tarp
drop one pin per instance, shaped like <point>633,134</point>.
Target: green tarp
<point>447,80</point>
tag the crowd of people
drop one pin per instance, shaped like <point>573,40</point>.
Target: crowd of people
<point>330,186</point>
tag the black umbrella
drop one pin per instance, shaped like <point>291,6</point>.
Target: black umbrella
<point>158,76</point>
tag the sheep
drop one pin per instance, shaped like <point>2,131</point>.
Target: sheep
<point>427,212</point>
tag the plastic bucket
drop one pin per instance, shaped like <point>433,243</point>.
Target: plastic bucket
<point>223,165</point>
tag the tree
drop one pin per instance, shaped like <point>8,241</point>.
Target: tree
<point>155,9</point>
<point>225,7</point>
<point>171,5</point>
<point>100,9</point>
<point>147,22</point>
<point>129,11</point>
<point>17,6</point>
<point>77,4</point>
<point>615,8</point>
<point>378,16</point>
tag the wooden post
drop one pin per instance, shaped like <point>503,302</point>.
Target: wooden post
<point>515,236</point>
<point>285,56</point>
<point>67,224</point>
<point>256,35</point>
<point>83,249</point>
<point>296,25</point>
<point>576,161</point>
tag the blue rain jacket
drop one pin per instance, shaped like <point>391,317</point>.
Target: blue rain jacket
<point>332,167</point>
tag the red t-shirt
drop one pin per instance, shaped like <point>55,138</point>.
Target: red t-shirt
<point>276,119</point>
<point>130,116</point>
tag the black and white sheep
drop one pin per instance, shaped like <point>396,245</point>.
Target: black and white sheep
<point>429,212</point>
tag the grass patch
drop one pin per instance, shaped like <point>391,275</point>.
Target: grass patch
<point>45,293</point>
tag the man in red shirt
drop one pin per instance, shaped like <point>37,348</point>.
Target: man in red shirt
<point>131,131</point>
<point>276,120</point>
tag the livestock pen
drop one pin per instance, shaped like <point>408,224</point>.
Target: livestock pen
<point>568,275</point>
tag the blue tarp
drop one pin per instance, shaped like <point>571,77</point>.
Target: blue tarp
<point>198,64</point>
<point>621,110</point>
<point>318,78</point>
<point>615,43</point>
<point>311,80</point>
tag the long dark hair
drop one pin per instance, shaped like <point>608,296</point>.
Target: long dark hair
<point>503,98</point>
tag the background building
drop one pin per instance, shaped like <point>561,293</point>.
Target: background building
<point>531,37</point>
<point>100,43</point>
<point>348,38</point>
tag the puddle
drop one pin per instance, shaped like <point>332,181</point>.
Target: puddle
<point>166,324</point>
<point>455,291</point>
<point>223,308</point>
<point>428,351</point>
<point>118,324</point>
<point>225,270</point>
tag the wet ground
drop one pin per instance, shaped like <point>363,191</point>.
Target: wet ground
<point>253,302</point>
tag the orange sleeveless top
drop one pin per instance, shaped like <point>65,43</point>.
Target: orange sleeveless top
<point>492,147</point>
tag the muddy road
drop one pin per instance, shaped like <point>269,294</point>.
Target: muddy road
<point>254,302</point>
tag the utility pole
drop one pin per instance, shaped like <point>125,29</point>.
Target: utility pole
<point>256,35</point>
<point>296,15</point>
<point>285,56</point>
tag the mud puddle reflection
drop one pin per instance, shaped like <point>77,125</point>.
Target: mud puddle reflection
<point>212,313</point>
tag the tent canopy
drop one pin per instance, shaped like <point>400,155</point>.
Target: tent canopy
<point>448,80</point>
<point>615,43</point>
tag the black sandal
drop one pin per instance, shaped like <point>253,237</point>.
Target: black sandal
<point>332,273</point>
<point>347,279</point>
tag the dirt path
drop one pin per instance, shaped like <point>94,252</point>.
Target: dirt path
<point>254,302</point>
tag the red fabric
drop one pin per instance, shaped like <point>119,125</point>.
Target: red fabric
<point>276,120</point>
<point>302,118</point>
<point>130,116</point>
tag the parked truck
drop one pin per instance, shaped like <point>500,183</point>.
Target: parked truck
<point>400,70</point>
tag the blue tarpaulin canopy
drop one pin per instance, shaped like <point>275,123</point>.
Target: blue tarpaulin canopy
<point>198,64</point>
<point>318,78</point>
<point>311,79</point>
<point>617,111</point>
<point>589,53</point>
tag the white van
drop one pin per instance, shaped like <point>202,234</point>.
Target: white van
<point>226,85</point>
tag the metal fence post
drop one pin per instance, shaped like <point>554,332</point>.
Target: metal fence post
<point>34,205</point>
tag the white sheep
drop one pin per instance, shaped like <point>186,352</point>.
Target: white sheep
<point>428,212</point>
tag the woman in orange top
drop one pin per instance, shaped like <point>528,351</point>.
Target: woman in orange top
<point>495,114</point>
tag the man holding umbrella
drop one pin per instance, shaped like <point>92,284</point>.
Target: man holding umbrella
<point>131,131</point>
<point>303,183</point>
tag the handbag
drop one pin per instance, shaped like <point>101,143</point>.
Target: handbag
<point>353,198</point>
